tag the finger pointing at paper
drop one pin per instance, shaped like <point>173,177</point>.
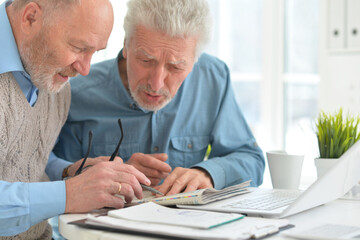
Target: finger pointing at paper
<point>152,165</point>
<point>185,180</point>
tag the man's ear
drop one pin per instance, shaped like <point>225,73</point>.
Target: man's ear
<point>31,19</point>
<point>124,52</point>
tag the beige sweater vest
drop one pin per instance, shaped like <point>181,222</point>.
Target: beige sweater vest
<point>27,136</point>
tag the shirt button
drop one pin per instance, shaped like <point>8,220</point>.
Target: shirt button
<point>133,106</point>
<point>190,146</point>
<point>156,149</point>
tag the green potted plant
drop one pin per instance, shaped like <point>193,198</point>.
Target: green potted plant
<point>335,134</point>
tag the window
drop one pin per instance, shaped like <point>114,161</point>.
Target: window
<point>238,43</point>
<point>271,48</point>
<point>301,81</point>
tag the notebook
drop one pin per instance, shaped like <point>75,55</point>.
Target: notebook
<point>334,184</point>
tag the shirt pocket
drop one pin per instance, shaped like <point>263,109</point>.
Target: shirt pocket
<point>125,150</point>
<point>187,151</point>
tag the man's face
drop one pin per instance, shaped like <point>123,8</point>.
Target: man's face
<point>64,49</point>
<point>44,64</point>
<point>157,65</point>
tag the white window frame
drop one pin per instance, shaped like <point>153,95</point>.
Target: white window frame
<point>272,90</point>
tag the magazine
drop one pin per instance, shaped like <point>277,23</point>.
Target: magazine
<point>201,196</point>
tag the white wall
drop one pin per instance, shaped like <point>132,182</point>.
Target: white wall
<point>340,82</point>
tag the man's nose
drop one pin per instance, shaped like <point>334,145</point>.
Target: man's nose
<point>82,64</point>
<point>157,78</point>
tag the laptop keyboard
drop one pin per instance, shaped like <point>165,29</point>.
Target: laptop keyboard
<point>266,201</point>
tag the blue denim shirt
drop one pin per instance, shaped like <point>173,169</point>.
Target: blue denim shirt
<point>204,111</point>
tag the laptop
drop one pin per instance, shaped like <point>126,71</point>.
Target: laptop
<point>279,203</point>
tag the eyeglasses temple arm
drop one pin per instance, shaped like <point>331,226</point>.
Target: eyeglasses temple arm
<point>115,153</point>
<point>86,156</point>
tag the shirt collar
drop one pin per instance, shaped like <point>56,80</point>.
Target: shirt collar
<point>9,55</point>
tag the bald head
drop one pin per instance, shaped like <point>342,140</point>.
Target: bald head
<point>52,9</point>
<point>49,7</point>
<point>94,17</point>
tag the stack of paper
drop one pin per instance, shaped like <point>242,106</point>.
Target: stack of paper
<point>158,220</point>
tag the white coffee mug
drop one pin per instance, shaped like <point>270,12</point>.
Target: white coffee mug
<point>285,169</point>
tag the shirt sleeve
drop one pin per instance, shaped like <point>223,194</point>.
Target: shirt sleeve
<point>55,167</point>
<point>23,205</point>
<point>235,155</point>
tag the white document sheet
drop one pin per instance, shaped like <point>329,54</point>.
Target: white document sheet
<point>248,227</point>
<point>154,213</point>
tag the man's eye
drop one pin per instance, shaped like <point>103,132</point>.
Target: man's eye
<point>175,68</point>
<point>146,62</point>
<point>79,49</point>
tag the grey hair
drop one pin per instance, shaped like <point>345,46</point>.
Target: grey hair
<point>175,18</point>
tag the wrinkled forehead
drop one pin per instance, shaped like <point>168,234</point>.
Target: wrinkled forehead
<point>177,59</point>
<point>151,42</point>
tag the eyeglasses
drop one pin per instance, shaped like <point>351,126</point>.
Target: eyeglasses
<point>115,153</point>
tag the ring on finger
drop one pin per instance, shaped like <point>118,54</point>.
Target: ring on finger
<point>119,188</point>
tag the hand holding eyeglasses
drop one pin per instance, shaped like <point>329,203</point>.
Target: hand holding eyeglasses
<point>97,187</point>
<point>89,163</point>
<point>115,153</point>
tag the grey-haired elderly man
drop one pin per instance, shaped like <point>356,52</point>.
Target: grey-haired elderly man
<point>172,100</point>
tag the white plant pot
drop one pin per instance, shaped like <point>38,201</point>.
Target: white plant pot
<point>323,165</point>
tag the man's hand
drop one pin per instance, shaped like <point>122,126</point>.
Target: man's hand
<point>152,165</point>
<point>185,180</point>
<point>89,162</point>
<point>97,186</point>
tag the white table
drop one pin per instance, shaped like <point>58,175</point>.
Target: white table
<point>337,212</point>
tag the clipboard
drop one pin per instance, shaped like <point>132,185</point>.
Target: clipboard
<point>82,223</point>
<point>247,228</point>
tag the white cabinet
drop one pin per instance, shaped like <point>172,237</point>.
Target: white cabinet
<point>339,59</point>
<point>353,24</point>
<point>343,18</point>
<point>336,23</point>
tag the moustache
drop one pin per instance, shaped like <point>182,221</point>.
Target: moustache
<point>148,89</point>
<point>69,72</point>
